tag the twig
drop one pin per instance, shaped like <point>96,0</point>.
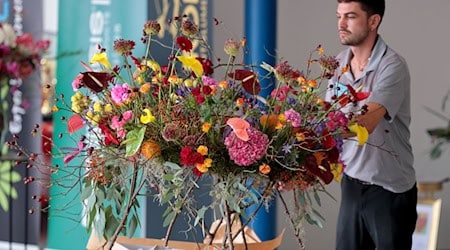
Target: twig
<point>172,223</point>
<point>296,232</point>
<point>132,197</point>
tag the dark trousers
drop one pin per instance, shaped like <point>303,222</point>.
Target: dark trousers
<point>371,217</point>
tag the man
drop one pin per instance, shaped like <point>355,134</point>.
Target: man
<point>379,194</point>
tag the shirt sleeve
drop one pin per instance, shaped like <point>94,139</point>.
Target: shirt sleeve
<point>391,85</point>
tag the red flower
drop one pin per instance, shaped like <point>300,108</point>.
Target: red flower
<point>184,43</point>
<point>207,66</point>
<point>206,90</point>
<point>189,157</point>
<point>109,137</point>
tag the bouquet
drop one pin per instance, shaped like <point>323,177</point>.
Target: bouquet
<point>167,125</point>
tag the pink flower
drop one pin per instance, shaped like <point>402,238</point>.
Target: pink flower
<point>77,84</point>
<point>293,117</point>
<point>209,81</point>
<point>280,93</point>
<point>120,93</point>
<point>117,122</point>
<point>245,153</point>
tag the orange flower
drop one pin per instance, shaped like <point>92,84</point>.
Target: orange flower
<point>206,127</point>
<point>223,84</point>
<point>270,120</point>
<point>145,88</point>
<point>239,102</point>
<point>150,149</point>
<point>264,169</point>
<point>320,156</point>
<point>300,136</point>
<point>203,150</point>
<point>301,80</point>
<point>312,83</point>
<point>345,69</point>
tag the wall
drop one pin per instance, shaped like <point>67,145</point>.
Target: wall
<point>416,29</point>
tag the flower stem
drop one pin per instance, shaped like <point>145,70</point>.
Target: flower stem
<point>132,196</point>
<point>296,231</point>
<point>172,223</point>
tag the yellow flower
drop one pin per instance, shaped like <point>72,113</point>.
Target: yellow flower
<point>188,82</point>
<point>361,133</point>
<point>336,169</point>
<point>108,107</point>
<point>154,66</point>
<point>206,127</point>
<point>93,118</point>
<point>320,50</point>
<point>281,121</point>
<point>147,117</point>
<point>191,63</point>
<point>264,169</point>
<point>203,150</point>
<point>203,168</point>
<point>55,108</point>
<point>98,107</point>
<point>102,58</point>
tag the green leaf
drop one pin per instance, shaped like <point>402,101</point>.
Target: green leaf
<point>90,201</point>
<point>172,165</point>
<point>132,226</point>
<point>4,201</point>
<point>8,190</point>
<point>5,168</point>
<point>100,221</point>
<point>200,215</point>
<point>168,177</point>
<point>133,141</point>
<point>317,198</point>
<point>169,218</point>
<point>436,151</point>
<point>86,192</point>
<point>167,197</point>
<point>100,196</point>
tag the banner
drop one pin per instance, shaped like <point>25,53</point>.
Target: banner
<point>83,25</point>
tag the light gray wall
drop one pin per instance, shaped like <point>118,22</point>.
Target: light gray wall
<point>416,29</point>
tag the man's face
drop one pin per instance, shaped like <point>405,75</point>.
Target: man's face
<point>353,24</point>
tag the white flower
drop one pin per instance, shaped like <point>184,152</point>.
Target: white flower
<point>7,35</point>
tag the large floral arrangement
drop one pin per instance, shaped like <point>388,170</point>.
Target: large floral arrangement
<point>19,57</point>
<point>166,125</point>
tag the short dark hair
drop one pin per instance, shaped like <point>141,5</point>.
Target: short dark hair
<point>370,6</point>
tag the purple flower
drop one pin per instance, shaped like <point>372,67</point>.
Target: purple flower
<point>209,81</point>
<point>245,153</point>
<point>120,93</point>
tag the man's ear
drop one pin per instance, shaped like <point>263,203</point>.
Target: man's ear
<point>374,22</point>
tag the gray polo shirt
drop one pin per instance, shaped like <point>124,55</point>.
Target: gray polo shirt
<point>386,159</point>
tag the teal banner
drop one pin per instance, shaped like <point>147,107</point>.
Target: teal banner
<point>83,26</point>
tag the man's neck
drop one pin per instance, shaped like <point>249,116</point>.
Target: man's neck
<point>362,52</point>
